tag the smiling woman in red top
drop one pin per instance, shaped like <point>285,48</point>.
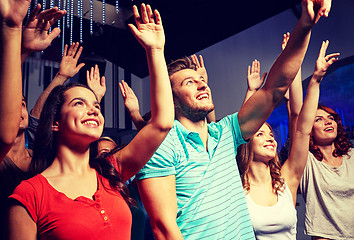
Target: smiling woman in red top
<point>73,196</point>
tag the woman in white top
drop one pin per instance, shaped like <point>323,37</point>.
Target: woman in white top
<point>271,188</point>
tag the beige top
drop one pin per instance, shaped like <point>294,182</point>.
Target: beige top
<point>329,195</point>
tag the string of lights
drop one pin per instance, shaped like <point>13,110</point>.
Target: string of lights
<point>71,22</point>
<point>91,17</point>
<point>103,12</point>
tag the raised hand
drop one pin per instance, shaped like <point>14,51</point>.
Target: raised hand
<point>149,31</point>
<point>130,100</point>
<point>253,76</point>
<point>35,36</point>
<point>97,84</point>
<point>325,7</point>
<point>286,37</point>
<point>324,62</point>
<point>12,12</point>
<point>200,66</point>
<point>313,10</point>
<point>69,60</point>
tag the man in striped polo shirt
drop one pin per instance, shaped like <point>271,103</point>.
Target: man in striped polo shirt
<point>191,187</point>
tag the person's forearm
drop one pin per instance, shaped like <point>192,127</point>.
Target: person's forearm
<point>259,107</point>
<point>295,95</point>
<point>10,79</point>
<point>10,86</point>
<point>162,108</point>
<point>249,94</point>
<point>37,109</point>
<point>167,233</point>
<point>24,56</point>
<point>295,104</point>
<point>308,111</point>
<point>137,120</point>
<point>288,63</point>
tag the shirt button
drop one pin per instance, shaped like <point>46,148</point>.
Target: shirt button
<point>105,218</point>
<point>102,211</point>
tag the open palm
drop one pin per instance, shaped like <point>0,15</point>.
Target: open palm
<point>149,31</point>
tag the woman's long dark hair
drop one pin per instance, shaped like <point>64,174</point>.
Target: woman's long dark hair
<point>106,168</point>
<point>45,146</point>
<point>341,142</point>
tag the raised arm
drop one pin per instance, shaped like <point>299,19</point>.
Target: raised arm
<point>149,32</point>
<point>294,98</point>
<point>35,36</point>
<point>293,168</point>
<point>12,13</point>
<point>202,71</point>
<point>258,108</point>
<point>131,103</point>
<point>11,16</point>
<point>68,68</point>
<point>96,83</point>
<point>254,79</point>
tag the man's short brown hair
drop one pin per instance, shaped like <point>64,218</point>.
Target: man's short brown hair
<point>180,64</point>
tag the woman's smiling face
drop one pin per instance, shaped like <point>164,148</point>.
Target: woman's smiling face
<point>263,144</point>
<point>324,129</point>
<point>80,115</point>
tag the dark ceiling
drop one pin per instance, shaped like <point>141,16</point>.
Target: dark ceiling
<point>190,26</point>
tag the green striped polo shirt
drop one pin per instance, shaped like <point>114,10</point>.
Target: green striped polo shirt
<point>210,198</point>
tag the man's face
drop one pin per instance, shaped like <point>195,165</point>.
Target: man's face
<point>24,116</point>
<point>192,95</point>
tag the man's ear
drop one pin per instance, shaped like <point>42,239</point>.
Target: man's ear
<point>55,126</point>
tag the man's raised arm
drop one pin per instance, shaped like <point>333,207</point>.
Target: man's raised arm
<point>258,108</point>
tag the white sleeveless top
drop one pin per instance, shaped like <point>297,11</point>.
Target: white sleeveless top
<point>274,222</point>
